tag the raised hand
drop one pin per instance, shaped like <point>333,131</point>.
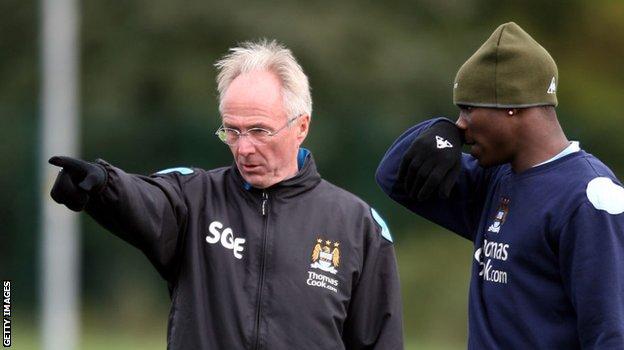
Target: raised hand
<point>432,162</point>
<point>76,181</point>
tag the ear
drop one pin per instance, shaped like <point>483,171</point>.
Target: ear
<point>302,128</point>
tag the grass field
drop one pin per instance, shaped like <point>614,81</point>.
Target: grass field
<point>28,338</point>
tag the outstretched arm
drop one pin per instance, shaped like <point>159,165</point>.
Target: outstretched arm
<point>148,212</point>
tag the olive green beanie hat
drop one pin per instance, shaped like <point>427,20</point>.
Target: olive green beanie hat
<point>510,70</point>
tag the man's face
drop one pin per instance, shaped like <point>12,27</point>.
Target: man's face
<point>490,133</point>
<point>254,100</point>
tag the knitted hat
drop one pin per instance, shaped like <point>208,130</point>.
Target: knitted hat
<point>510,70</point>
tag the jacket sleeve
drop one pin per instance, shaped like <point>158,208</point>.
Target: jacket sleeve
<point>375,318</point>
<point>591,254</point>
<point>148,212</point>
<point>458,213</point>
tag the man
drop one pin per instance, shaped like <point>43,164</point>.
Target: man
<point>546,218</point>
<point>263,254</point>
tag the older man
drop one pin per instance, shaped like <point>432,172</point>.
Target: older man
<point>546,218</point>
<point>263,254</point>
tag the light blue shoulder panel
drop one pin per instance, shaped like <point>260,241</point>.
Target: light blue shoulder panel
<point>385,231</point>
<point>181,170</point>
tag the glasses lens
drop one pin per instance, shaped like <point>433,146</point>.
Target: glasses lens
<point>259,136</point>
<point>228,136</point>
<point>222,135</point>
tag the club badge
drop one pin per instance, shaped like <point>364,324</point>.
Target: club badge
<point>501,215</point>
<point>326,256</point>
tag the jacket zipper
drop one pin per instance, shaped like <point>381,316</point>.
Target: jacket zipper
<point>265,199</point>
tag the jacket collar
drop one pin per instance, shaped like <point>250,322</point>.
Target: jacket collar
<point>306,178</point>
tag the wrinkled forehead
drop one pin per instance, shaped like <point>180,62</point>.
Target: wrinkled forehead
<point>252,121</point>
<point>254,97</point>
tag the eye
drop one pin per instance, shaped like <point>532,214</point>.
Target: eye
<point>258,132</point>
<point>260,135</point>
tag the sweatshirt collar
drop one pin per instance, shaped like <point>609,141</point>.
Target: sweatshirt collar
<point>572,147</point>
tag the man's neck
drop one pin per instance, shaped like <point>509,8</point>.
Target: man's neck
<point>542,143</point>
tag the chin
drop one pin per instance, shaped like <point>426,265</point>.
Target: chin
<point>254,180</point>
<point>257,181</point>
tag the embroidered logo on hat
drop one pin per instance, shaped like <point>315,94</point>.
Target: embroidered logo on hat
<point>553,86</point>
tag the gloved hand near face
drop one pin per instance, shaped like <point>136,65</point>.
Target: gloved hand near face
<point>432,163</point>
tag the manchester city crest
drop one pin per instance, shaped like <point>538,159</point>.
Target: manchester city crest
<point>326,256</point>
<point>501,215</point>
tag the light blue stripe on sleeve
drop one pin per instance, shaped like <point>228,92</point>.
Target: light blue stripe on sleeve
<point>385,231</point>
<point>181,170</point>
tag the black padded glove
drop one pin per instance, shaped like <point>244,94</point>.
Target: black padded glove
<point>76,181</point>
<point>432,162</point>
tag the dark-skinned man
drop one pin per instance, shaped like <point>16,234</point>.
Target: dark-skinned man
<point>546,217</point>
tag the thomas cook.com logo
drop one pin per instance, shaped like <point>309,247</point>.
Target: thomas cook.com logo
<point>492,251</point>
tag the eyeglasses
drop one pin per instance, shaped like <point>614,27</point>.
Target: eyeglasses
<point>257,136</point>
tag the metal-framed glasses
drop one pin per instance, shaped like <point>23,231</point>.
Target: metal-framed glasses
<point>257,136</point>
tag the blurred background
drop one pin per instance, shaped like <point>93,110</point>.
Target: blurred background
<point>147,101</point>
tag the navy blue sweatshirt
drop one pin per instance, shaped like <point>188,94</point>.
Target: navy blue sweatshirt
<point>547,269</point>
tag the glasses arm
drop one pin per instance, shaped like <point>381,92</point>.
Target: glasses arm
<point>288,123</point>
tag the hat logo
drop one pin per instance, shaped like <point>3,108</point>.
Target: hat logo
<point>553,87</point>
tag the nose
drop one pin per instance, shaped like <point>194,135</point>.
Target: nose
<point>244,147</point>
<point>461,122</point>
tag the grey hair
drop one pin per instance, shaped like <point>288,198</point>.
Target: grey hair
<point>274,57</point>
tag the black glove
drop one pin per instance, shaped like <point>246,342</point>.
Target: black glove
<point>432,162</point>
<point>76,181</point>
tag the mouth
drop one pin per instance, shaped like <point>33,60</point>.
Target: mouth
<point>250,167</point>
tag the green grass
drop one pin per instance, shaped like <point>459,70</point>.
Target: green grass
<point>96,340</point>
<point>435,272</point>
<point>103,333</point>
